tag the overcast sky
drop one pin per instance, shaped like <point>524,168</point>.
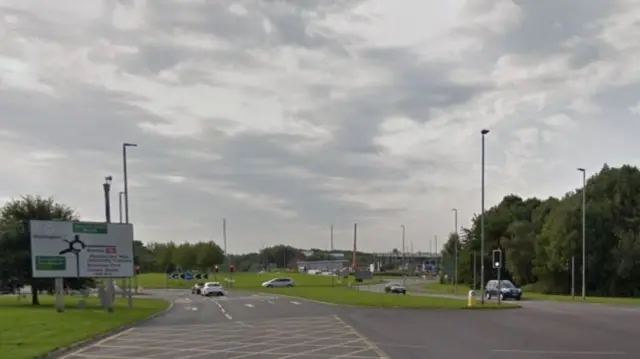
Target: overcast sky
<point>287,116</point>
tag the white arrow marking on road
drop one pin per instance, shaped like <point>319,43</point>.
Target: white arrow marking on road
<point>296,303</point>
<point>249,305</point>
<point>270,302</point>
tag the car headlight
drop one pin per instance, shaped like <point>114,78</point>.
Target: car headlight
<point>504,289</point>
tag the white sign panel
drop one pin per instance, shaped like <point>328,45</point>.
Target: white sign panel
<point>81,249</point>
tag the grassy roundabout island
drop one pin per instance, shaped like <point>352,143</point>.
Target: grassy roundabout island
<point>27,331</point>
<point>320,288</point>
<point>349,296</point>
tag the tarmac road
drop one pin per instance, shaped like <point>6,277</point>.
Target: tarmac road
<point>262,326</point>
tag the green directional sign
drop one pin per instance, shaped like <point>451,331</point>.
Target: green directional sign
<point>89,227</point>
<point>51,263</point>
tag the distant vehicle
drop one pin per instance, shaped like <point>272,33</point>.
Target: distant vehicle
<point>506,290</point>
<point>279,282</point>
<point>196,289</point>
<point>212,289</point>
<point>395,288</point>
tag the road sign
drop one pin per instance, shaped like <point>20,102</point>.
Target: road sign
<point>188,276</point>
<point>61,249</point>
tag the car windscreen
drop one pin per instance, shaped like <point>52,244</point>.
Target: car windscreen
<point>507,284</point>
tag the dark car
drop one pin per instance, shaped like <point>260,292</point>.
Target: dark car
<point>504,289</point>
<point>395,288</point>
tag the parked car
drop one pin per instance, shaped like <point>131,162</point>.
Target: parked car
<point>504,289</point>
<point>212,289</point>
<point>279,282</point>
<point>395,288</point>
<point>197,288</point>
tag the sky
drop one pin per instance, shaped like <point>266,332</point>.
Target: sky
<point>285,117</point>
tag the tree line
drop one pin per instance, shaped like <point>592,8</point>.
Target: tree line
<point>539,238</point>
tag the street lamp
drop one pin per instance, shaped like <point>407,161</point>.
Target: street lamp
<point>484,133</point>
<point>404,261</point>
<point>584,242</point>
<point>455,260</point>
<point>120,196</point>
<point>126,183</point>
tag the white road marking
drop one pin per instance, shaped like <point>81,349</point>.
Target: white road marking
<point>228,316</point>
<point>551,352</point>
<point>249,305</point>
<point>270,302</point>
<point>296,303</point>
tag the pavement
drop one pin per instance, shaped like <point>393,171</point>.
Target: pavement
<point>263,326</point>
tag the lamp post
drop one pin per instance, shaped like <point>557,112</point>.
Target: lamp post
<point>404,261</point>
<point>126,183</point>
<point>482,259</point>
<point>584,233</point>
<point>126,211</point>
<point>455,260</point>
<point>120,196</point>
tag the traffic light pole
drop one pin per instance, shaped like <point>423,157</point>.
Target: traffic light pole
<point>497,264</point>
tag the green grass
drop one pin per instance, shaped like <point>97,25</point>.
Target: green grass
<point>528,295</point>
<point>347,296</point>
<point>27,331</point>
<point>245,280</point>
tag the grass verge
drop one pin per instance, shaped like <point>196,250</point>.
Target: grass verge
<point>347,296</point>
<point>527,295</point>
<point>246,280</point>
<point>27,331</point>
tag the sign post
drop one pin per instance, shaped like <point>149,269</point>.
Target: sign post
<point>62,249</point>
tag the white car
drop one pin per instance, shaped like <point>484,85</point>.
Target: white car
<point>279,282</point>
<point>212,289</point>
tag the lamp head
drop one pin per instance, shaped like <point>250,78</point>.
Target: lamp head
<point>581,169</point>
<point>484,132</point>
<point>127,144</point>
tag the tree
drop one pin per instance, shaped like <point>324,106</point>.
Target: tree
<point>15,241</point>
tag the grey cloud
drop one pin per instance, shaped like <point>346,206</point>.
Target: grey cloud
<point>545,27</point>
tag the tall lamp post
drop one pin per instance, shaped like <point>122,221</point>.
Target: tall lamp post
<point>126,212</point>
<point>482,259</point>
<point>455,260</point>
<point>584,233</point>
<point>126,183</point>
<point>404,260</point>
<point>120,196</point>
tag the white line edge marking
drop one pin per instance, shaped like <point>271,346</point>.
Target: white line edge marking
<point>249,305</point>
<point>228,316</point>
<point>550,352</point>
<point>294,302</point>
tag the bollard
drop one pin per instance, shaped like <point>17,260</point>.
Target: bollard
<point>471,299</point>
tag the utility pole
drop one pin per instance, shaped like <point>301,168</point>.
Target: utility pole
<point>573,277</point>
<point>482,253</point>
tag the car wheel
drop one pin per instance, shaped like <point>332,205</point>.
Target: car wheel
<point>289,285</point>
<point>518,298</point>
<point>219,294</point>
<point>488,295</point>
<point>269,286</point>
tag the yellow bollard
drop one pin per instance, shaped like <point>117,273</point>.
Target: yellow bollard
<point>471,299</point>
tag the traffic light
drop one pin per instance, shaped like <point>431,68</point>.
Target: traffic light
<point>497,258</point>
<point>137,268</point>
<point>232,268</point>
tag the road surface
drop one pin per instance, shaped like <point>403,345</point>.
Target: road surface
<point>262,326</point>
